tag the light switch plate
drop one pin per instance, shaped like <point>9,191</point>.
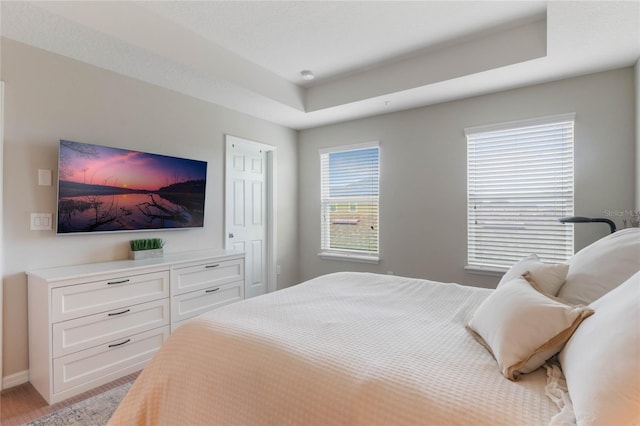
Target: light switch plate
<point>41,221</point>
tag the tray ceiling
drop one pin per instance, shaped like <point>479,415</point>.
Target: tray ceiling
<point>368,57</point>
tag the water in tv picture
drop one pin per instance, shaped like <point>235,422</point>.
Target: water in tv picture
<point>104,189</point>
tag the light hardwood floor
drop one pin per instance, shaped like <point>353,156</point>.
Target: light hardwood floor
<point>23,403</point>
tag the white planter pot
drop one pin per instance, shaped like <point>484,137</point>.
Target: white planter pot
<point>146,254</point>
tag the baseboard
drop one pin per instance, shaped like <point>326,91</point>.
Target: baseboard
<point>15,379</point>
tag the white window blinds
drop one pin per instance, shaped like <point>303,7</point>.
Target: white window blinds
<point>349,201</point>
<point>520,182</point>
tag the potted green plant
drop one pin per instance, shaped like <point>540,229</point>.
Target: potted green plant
<point>146,248</point>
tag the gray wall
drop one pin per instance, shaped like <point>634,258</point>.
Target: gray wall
<point>423,171</point>
<point>637,115</point>
<point>49,97</point>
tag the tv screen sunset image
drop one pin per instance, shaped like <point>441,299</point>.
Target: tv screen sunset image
<point>103,189</point>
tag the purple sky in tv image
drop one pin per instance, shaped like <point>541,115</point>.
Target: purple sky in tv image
<point>127,169</point>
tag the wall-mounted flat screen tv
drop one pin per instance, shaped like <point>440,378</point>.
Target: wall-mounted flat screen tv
<point>105,189</point>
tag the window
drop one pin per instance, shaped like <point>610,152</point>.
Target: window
<point>520,182</point>
<point>349,180</point>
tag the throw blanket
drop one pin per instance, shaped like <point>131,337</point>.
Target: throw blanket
<point>341,349</point>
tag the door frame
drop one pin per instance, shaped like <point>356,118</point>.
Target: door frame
<point>271,210</point>
<point>1,226</point>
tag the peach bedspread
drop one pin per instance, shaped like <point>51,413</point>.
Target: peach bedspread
<point>341,349</point>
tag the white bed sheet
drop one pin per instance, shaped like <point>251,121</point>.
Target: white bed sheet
<point>344,348</point>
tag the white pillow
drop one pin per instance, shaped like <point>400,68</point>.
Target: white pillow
<point>601,361</point>
<point>523,327</point>
<point>602,266</point>
<point>548,277</point>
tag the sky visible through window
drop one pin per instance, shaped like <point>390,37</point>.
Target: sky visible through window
<point>353,173</point>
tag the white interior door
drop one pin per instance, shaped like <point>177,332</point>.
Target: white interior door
<point>246,210</point>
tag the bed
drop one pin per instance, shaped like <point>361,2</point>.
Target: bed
<point>367,349</point>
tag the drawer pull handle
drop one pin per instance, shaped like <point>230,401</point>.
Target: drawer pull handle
<point>119,313</point>
<point>118,282</point>
<point>119,344</point>
<point>212,266</point>
<point>212,290</point>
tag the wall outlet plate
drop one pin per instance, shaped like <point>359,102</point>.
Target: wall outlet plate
<point>44,177</point>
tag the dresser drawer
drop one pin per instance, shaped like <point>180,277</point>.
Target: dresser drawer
<point>109,294</point>
<point>100,363</point>
<point>190,304</point>
<point>206,275</point>
<point>105,327</point>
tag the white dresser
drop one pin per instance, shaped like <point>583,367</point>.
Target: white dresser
<point>91,324</point>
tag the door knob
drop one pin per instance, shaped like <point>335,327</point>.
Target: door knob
<point>230,234</point>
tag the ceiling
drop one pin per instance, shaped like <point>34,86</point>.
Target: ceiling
<point>369,57</point>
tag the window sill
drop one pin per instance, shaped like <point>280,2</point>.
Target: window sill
<point>349,257</point>
<point>494,271</point>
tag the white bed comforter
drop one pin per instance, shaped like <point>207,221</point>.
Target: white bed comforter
<point>341,349</point>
